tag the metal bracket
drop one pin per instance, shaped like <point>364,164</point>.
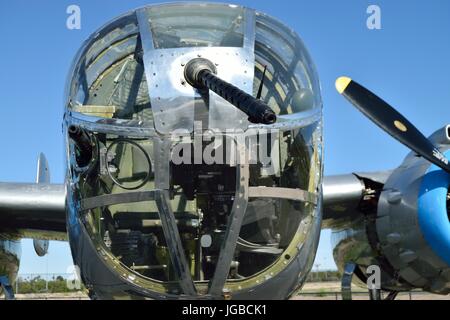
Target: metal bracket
<point>7,288</point>
<point>162,156</point>
<point>233,228</point>
<point>346,282</point>
<point>172,236</point>
<point>118,198</point>
<point>283,193</point>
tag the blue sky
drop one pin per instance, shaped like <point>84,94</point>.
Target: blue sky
<point>407,62</point>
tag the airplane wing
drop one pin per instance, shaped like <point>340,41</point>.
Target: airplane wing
<point>342,196</point>
<point>34,210</point>
<point>37,211</point>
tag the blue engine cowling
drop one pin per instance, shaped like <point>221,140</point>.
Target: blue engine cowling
<point>413,224</point>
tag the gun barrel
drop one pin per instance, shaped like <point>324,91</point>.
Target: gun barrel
<point>200,73</point>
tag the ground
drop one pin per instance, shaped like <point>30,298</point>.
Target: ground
<point>311,291</point>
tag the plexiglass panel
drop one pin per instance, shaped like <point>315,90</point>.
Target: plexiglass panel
<point>208,25</point>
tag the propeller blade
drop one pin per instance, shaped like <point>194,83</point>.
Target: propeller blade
<point>261,85</point>
<point>391,121</point>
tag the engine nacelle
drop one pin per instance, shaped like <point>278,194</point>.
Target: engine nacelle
<point>413,224</point>
<point>398,221</point>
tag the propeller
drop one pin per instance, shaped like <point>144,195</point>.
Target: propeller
<point>391,121</point>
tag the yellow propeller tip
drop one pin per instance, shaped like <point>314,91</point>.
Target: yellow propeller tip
<point>342,84</point>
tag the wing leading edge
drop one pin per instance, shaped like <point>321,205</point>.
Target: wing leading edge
<point>35,211</point>
<point>342,195</point>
